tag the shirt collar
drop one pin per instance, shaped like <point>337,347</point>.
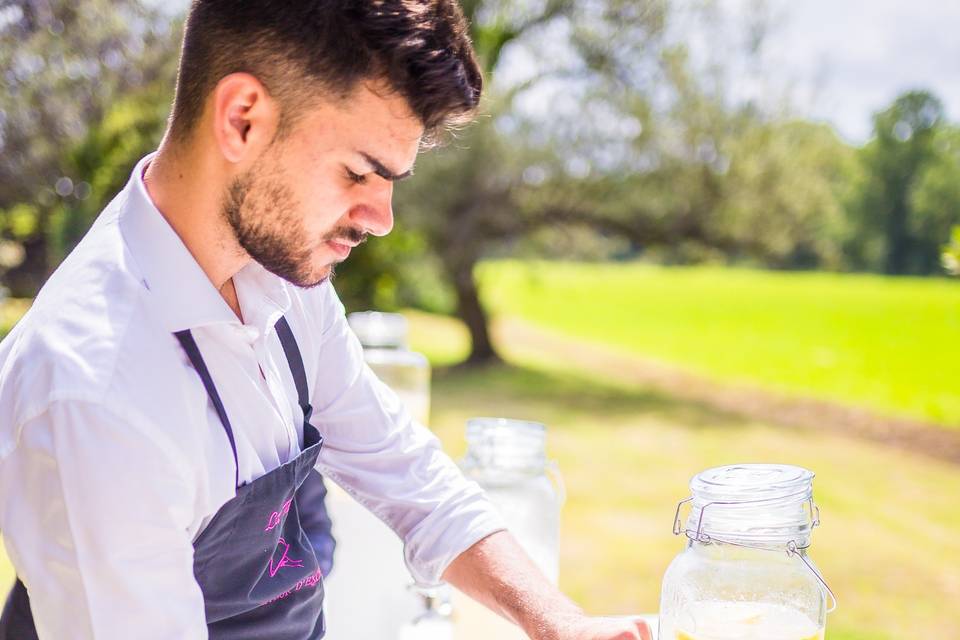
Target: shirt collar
<point>185,297</point>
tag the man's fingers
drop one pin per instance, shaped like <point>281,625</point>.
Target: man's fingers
<point>611,628</point>
<point>644,629</point>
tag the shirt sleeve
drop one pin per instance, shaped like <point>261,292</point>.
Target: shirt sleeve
<point>388,462</point>
<point>96,508</point>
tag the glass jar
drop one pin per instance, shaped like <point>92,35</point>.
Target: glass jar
<point>508,459</point>
<point>384,340</point>
<point>365,545</point>
<point>744,573</point>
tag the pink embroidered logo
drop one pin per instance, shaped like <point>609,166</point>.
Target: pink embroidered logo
<point>277,516</point>
<point>284,560</point>
<point>308,582</point>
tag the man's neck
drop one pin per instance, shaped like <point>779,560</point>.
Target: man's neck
<point>187,190</point>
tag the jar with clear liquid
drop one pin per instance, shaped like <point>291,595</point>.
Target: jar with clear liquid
<point>507,458</point>
<point>384,340</point>
<point>744,573</point>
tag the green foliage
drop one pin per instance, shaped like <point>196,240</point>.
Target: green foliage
<point>785,192</point>
<point>951,253</point>
<point>394,272</point>
<point>910,196</point>
<point>131,128</point>
<point>11,310</point>
<point>65,65</point>
<point>23,220</point>
<point>935,201</point>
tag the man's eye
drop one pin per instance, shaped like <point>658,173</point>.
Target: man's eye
<point>356,177</point>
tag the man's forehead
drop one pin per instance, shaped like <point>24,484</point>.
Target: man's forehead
<point>375,99</point>
<point>374,123</point>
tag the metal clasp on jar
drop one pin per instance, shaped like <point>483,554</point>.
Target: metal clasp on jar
<point>793,548</point>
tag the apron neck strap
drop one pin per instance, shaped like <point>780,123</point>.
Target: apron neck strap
<point>295,360</point>
<point>193,352</point>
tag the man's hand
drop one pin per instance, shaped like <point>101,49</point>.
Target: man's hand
<point>590,628</point>
<point>497,573</point>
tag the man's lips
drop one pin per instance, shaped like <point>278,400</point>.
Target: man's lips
<point>341,247</point>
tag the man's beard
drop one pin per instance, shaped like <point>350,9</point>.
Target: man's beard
<point>262,214</point>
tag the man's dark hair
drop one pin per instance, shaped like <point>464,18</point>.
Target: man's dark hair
<point>300,49</point>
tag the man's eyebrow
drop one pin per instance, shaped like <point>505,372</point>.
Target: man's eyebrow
<point>379,169</point>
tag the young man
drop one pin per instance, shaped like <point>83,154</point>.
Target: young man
<point>189,364</point>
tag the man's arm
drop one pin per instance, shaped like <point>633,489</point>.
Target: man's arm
<point>95,510</point>
<point>373,448</point>
<point>498,573</point>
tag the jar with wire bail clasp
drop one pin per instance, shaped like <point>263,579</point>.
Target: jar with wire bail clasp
<point>745,572</point>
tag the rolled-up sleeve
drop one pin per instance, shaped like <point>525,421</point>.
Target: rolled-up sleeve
<point>95,514</point>
<point>388,462</point>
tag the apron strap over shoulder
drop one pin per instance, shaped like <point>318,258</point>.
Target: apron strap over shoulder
<point>295,360</point>
<point>193,352</point>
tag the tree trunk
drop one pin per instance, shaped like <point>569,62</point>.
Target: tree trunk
<point>898,238</point>
<point>471,311</point>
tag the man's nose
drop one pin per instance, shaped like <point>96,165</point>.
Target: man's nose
<point>374,213</point>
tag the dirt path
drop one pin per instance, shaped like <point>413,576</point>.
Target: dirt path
<point>914,435</point>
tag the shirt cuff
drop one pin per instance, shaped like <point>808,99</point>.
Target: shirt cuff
<point>449,531</point>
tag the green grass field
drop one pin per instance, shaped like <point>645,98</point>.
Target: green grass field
<point>890,540</point>
<point>886,344</point>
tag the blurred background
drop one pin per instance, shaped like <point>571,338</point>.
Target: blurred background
<point>680,233</point>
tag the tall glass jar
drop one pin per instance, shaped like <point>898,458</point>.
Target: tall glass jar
<point>384,340</point>
<point>365,545</point>
<point>745,573</point>
<point>508,459</point>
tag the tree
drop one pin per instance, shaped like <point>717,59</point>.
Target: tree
<point>63,65</point>
<point>612,132</point>
<point>951,253</point>
<point>468,196</point>
<point>903,149</point>
<point>787,191</point>
<point>104,157</point>
<point>935,201</point>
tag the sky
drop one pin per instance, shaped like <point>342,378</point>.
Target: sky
<point>850,58</point>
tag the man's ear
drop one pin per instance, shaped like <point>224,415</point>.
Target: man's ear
<point>245,117</point>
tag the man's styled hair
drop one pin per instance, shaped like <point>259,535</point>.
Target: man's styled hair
<point>302,49</point>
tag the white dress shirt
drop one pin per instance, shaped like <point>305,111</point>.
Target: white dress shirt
<point>113,459</point>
